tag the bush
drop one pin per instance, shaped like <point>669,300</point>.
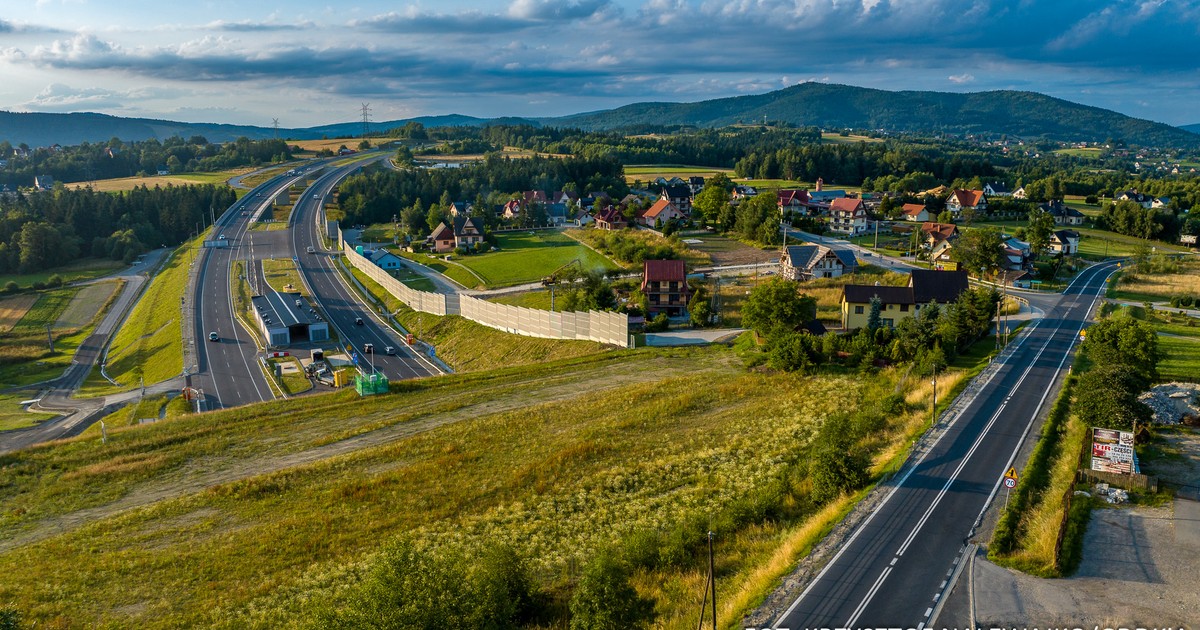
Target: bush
<point>10,617</point>
<point>1091,200</point>
<point>835,468</point>
<point>604,599</point>
<point>38,286</point>
<point>11,287</point>
<point>659,323</point>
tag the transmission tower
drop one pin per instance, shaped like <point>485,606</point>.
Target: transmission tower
<point>366,119</point>
<point>275,125</point>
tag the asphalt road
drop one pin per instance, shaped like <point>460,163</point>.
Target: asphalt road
<point>340,304</point>
<point>896,565</point>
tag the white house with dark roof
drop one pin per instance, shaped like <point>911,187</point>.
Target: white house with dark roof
<point>805,262</point>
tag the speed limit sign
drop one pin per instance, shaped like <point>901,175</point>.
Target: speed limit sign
<point>1009,482</point>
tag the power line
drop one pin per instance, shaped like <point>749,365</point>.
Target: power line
<point>275,125</point>
<point>366,119</point>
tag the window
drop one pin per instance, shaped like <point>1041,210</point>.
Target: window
<point>903,308</point>
<point>858,310</point>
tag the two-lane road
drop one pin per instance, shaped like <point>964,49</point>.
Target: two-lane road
<point>895,566</point>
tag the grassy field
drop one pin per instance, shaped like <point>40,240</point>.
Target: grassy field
<point>281,274</point>
<point>13,308</point>
<point>85,269</point>
<point>451,270</point>
<point>528,299</point>
<point>1098,244</point>
<point>150,181</point>
<point>250,517</point>
<point>14,416</point>
<point>1182,279</point>
<point>1090,152</point>
<point>837,138</point>
<point>529,257</point>
<point>149,344</point>
<point>1182,362</point>
<point>292,383</point>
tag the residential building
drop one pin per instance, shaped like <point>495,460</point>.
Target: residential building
<point>996,189</point>
<point>664,283</point>
<point>384,259</point>
<point>792,201</point>
<point>1160,202</point>
<point>805,262</point>
<point>661,212</point>
<point>696,184</point>
<point>556,213</point>
<point>1062,213</point>
<point>514,208</point>
<point>463,232</point>
<point>43,182</point>
<point>741,192</point>
<point>611,218</point>
<point>916,212</point>
<point>847,216</point>
<point>680,196</point>
<point>1019,193</point>
<point>1145,201</point>
<point>459,209</point>
<point>897,303</point>
<point>960,200</point>
<point>938,232</point>
<point>1064,242</point>
<point>442,240</point>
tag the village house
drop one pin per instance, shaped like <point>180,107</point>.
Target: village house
<point>610,218</point>
<point>822,196</point>
<point>792,201</point>
<point>1062,213</point>
<point>441,240</point>
<point>805,262</point>
<point>915,212</point>
<point>847,216</point>
<point>1145,201</point>
<point>384,259</point>
<point>1064,242</point>
<point>960,200</point>
<point>43,182</point>
<point>896,303</point>
<point>463,232</point>
<point>664,283</point>
<point>996,189</point>
<point>658,214</point>
<point>680,196</point>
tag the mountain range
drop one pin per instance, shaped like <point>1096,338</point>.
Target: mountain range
<point>830,106</point>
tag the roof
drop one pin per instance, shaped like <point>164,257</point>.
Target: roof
<point>967,197</point>
<point>460,224</point>
<point>790,196</point>
<point>998,187</point>
<point>610,215</point>
<point>380,254</point>
<point>1063,235</point>
<point>941,286</point>
<point>658,208</point>
<point>939,231</point>
<point>913,209</point>
<point>280,308</point>
<point>845,204</point>
<point>862,293</point>
<point>663,271</point>
<point>677,192</point>
<point>441,233</point>
<point>535,195</point>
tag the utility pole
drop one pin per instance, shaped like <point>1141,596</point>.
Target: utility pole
<point>712,579</point>
<point>366,119</point>
<point>50,337</point>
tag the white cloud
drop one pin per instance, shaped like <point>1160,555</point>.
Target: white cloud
<point>961,78</point>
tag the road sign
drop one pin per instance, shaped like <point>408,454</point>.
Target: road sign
<point>1009,482</point>
<point>1011,474</point>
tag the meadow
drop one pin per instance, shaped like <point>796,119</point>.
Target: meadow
<point>121,184</point>
<point>25,356</point>
<point>78,271</point>
<point>254,517</point>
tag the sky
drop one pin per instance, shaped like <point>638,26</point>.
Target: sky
<point>309,63</point>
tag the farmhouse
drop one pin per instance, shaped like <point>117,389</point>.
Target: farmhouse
<point>792,201</point>
<point>1062,213</point>
<point>916,212</point>
<point>897,303</point>
<point>664,283</point>
<point>805,262</point>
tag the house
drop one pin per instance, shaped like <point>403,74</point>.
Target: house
<point>163,170</point>
<point>514,208</point>
<point>467,231</point>
<point>459,208</point>
<point>43,182</point>
<point>659,213</point>
<point>556,213</point>
<point>792,201</point>
<point>583,218</point>
<point>1145,201</point>
<point>960,200</point>
<point>611,218</point>
<point>1064,242</point>
<point>937,232</point>
<point>896,303</point>
<point>696,184</point>
<point>442,239</point>
<point>740,192</point>
<point>805,262</point>
<point>996,189</point>
<point>1062,213</point>
<point>664,283</point>
<point>564,197</point>
<point>1019,193</point>
<point>535,196</point>
<point>680,196</point>
<point>819,195</point>
<point>384,259</point>
<point>1022,248</point>
<point>1160,202</point>
<point>847,216</point>
<point>916,212</point>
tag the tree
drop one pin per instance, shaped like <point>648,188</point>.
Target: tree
<point>980,248</point>
<point>710,203</point>
<point>435,216</point>
<point>1123,340</point>
<point>700,307</point>
<point>1037,233</point>
<point>1107,396</point>
<point>777,306</point>
<point>835,468</point>
<point>604,599</point>
<point>874,321</point>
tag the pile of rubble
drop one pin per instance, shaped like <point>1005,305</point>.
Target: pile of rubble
<point>1174,403</point>
<point>1112,495</point>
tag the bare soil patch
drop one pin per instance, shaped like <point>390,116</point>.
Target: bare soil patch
<point>727,251</point>
<point>12,309</point>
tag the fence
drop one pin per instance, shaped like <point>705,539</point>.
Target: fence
<point>610,328</point>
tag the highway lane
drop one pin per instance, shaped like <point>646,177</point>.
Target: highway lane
<point>341,305</point>
<point>227,370</point>
<point>896,565</point>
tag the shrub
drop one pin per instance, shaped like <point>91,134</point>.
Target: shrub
<point>835,467</point>
<point>11,287</point>
<point>659,323</point>
<point>54,281</point>
<point>38,286</point>
<point>604,599</point>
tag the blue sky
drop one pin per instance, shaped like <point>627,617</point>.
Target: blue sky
<point>309,63</point>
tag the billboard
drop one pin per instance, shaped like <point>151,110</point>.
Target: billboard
<point>1112,451</point>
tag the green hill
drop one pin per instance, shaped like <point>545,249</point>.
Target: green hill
<point>1192,128</point>
<point>1021,114</point>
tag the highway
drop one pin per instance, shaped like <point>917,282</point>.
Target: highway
<point>339,303</point>
<point>895,566</point>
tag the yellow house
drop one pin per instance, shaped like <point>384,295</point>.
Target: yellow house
<point>897,303</point>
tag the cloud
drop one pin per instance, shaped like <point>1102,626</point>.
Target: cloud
<point>961,78</point>
<point>17,27</point>
<point>247,26</point>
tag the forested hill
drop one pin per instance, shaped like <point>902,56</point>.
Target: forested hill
<point>1021,114</point>
<point>1192,128</point>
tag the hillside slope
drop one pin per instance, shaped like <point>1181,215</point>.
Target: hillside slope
<point>1023,114</point>
<point>1192,128</point>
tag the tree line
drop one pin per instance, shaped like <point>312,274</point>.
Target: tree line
<point>49,229</point>
<point>115,158</point>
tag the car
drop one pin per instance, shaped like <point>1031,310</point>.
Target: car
<point>222,237</point>
<point>213,336</point>
<point>316,196</point>
<point>368,348</point>
<point>390,350</point>
<point>299,303</point>
<point>358,321</point>
<point>311,249</point>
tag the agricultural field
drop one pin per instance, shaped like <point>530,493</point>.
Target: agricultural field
<point>837,138</point>
<point>13,308</point>
<point>149,344</point>
<point>150,181</point>
<point>85,269</point>
<point>529,257</point>
<point>647,173</point>
<point>13,414</point>
<point>1168,280</point>
<point>1089,152</point>
<point>640,451</point>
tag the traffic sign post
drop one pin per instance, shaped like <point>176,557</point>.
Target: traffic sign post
<point>1010,482</point>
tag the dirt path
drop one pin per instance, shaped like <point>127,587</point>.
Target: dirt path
<point>216,469</point>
